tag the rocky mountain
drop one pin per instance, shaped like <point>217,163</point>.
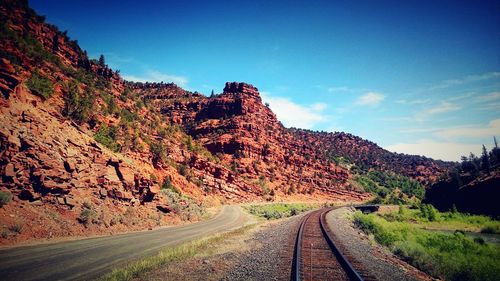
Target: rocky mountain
<point>236,124</point>
<point>83,151</point>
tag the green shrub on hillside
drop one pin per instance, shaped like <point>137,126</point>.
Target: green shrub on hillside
<point>391,188</point>
<point>111,107</point>
<point>158,150</point>
<point>16,228</point>
<point>195,147</point>
<point>108,136</point>
<point>88,215</point>
<point>77,105</point>
<point>125,94</point>
<point>139,104</point>
<point>262,182</point>
<point>40,85</point>
<point>182,169</point>
<point>167,184</point>
<point>128,116</point>
<point>4,198</point>
<point>184,206</point>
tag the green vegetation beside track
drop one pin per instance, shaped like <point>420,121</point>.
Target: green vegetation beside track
<point>279,210</point>
<point>452,256</point>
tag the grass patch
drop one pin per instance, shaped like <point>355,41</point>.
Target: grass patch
<point>168,255</point>
<point>428,217</point>
<point>16,228</point>
<point>449,256</point>
<point>5,198</point>
<point>279,210</point>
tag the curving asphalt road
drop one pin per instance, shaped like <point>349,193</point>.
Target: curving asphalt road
<point>90,258</point>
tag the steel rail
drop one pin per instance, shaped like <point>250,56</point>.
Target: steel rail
<point>297,253</point>
<point>348,268</point>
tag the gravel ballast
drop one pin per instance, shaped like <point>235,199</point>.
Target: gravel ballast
<point>271,257</point>
<point>372,259</point>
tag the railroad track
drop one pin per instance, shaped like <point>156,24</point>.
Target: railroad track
<point>316,256</point>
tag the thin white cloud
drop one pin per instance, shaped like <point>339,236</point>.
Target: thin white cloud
<point>418,130</point>
<point>467,79</point>
<point>156,76</point>
<point>448,151</point>
<point>338,89</point>
<point>413,102</point>
<point>443,107</point>
<point>293,114</point>
<point>370,99</point>
<point>462,97</point>
<point>490,106</point>
<point>473,131</point>
<point>493,96</point>
<point>345,89</point>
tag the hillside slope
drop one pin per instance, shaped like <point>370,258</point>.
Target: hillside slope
<point>83,151</point>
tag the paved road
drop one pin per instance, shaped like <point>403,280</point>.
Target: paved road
<point>90,258</point>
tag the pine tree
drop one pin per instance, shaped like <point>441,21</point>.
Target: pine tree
<point>485,160</point>
<point>55,43</point>
<point>495,153</point>
<point>474,165</point>
<point>102,62</point>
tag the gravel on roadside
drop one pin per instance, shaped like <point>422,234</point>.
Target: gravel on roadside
<point>372,259</point>
<point>263,253</point>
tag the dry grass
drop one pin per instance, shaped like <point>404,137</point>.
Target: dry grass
<point>168,255</point>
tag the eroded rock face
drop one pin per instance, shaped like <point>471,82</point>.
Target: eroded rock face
<point>247,135</point>
<point>250,139</point>
<point>45,158</point>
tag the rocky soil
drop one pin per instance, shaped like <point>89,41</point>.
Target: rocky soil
<point>367,257</point>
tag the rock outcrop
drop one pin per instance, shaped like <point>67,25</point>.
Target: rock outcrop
<point>248,137</point>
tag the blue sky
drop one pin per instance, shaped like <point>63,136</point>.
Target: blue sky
<point>419,77</point>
